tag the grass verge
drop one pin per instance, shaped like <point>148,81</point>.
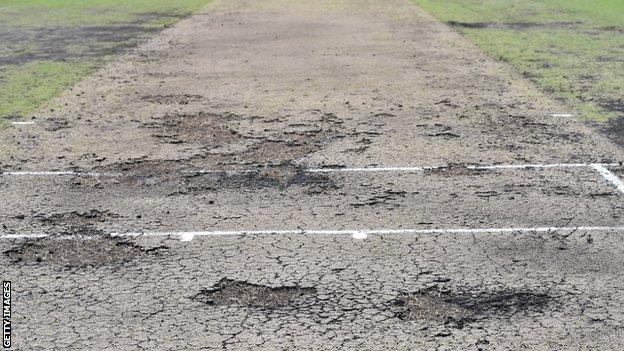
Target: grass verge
<point>49,45</point>
<point>573,49</point>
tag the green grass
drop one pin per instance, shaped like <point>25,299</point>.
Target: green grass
<point>573,49</point>
<point>47,46</point>
<point>90,12</point>
<point>34,83</point>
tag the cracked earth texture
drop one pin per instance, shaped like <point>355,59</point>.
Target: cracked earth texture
<point>276,87</point>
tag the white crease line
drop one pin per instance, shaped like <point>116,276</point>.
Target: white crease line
<point>23,236</point>
<point>609,176</point>
<point>562,115</point>
<point>356,234</point>
<point>487,167</point>
<point>362,233</point>
<point>22,123</point>
<point>330,170</point>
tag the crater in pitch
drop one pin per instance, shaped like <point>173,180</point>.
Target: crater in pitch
<point>279,176</point>
<point>228,292</point>
<point>455,308</point>
<point>76,252</point>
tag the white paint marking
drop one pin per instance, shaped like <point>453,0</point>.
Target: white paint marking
<point>369,169</point>
<point>23,236</point>
<point>187,236</point>
<point>359,235</point>
<point>610,177</point>
<point>356,234</point>
<point>328,170</point>
<point>562,115</point>
<point>22,123</point>
<point>363,233</point>
<point>59,173</point>
<point>487,167</point>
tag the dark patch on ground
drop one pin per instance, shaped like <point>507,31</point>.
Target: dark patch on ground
<point>504,131</point>
<point>207,129</point>
<point>172,99</point>
<point>614,130</point>
<point>77,252</point>
<point>27,44</point>
<point>437,305</point>
<point>217,132</point>
<point>512,25</point>
<point>438,130</point>
<point>612,105</point>
<point>54,124</point>
<point>228,292</point>
<point>280,177</point>
<point>234,157</point>
<point>76,223</point>
<point>389,198</point>
<point>183,177</point>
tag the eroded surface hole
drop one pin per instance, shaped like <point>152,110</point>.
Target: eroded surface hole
<point>436,305</point>
<point>207,129</point>
<point>77,223</point>
<point>77,252</point>
<point>239,293</point>
<point>280,176</point>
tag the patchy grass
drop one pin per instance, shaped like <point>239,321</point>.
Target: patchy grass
<point>49,45</point>
<point>573,49</point>
<point>32,84</point>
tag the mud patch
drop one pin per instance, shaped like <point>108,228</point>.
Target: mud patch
<point>76,252</point>
<point>230,292</point>
<point>54,124</point>
<point>172,99</point>
<point>504,127</point>
<point>437,305</point>
<point>614,130</point>
<point>512,25</point>
<point>207,129</point>
<point>612,105</point>
<point>76,223</point>
<point>388,198</point>
<point>60,43</point>
<point>280,177</point>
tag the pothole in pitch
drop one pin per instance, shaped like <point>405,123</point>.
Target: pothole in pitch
<point>77,252</point>
<point>239,293</point>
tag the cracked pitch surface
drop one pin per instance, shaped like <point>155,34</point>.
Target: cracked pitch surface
<point>356,285</point>
<point>293,83</point>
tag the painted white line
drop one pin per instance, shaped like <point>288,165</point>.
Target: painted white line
<point>356,234</point>
<point>328,170</point>
<point>610,177</point>
<point>562,115</point>
<point>486,167</point>
<point>23,236</point>
<point>362,233</point>
<point>369,169</point>
<point>22,123</point>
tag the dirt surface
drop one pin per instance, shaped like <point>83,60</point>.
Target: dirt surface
<point>215,125</point>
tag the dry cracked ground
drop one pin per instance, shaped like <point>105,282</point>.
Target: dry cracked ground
<point>215,124</point>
